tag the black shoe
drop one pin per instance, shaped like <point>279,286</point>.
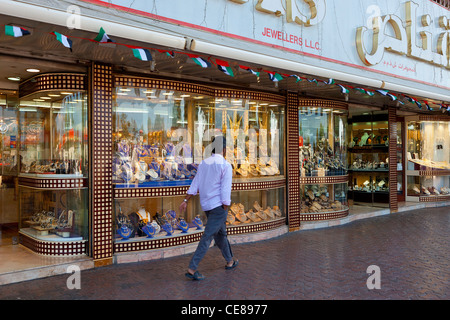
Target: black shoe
<point>196,276</point>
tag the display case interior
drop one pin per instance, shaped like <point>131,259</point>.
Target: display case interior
<point>54,215</point>
<point>254,206</point>
<point>324,198</point>
<point>322,141</point>
<point>254,130</point>
<point>160,136</point>
<point>369,158</point>
<point>428,160</point>
<point>155,218</point>
<point>53,134</point>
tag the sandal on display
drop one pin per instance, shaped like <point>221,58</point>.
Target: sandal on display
<point>196,276</point>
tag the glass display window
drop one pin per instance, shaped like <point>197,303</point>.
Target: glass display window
<point>323,198</point>
<point>254,130</point>
<point>153,136</point>
<point>322,141</point>
<point>369,158</point>
<point>249,207</point>
<point>161,136</point>
<point>428,146</point>
<point>9,135</point>
<point>54,215</point>
<point>53,134</point>
<point>400,160</point>
<point>162,133</point>
<point>428,159</point>
<point>155,218</point>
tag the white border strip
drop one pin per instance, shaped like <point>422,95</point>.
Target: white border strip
<point>59,17</point>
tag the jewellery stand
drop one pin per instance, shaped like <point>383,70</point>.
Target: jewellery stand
<point>67,230</point>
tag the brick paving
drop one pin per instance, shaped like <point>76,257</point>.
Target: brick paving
<point>412,250</point>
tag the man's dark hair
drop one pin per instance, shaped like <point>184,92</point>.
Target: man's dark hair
<point>216,143</point>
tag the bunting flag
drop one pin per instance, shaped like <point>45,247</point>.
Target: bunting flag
<point>360,90</point>
<point>16,32</point>
<point>142,54</point>
<point>275,77</point>
<point>296,77</point>
<point>343,89</point>
<point>200,61</point>
<point>412,100</point>
<point>102,37</point>
<point>224,67</point>
<point>444,107</point>
<point>428,106</point>
<point>250,70</point>
<point>170,54</point>
<point>66,42</point>
<point>145,55</point>
<point>387,94</point>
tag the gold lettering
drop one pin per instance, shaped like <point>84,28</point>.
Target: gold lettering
<point>317,10</point>
<point>316,14</point>
<point>240,1</point>
<point>270,6</point>
<point>403,41</point>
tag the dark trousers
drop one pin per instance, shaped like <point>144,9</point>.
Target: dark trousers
<point>215,229</point>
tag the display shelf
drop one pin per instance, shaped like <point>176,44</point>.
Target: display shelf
<point>32,232</point>
<point>369,158</point>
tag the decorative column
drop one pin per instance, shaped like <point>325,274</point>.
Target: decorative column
<point>100,173</point>
<point>292,161</point>
<point>392,118</point>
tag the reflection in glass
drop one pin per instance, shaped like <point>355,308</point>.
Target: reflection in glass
<point>53,137</point>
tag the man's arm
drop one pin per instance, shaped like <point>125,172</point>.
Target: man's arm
<point>192,191</point>
<point>225,185</point>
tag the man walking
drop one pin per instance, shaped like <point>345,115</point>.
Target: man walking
<point>213,183</point>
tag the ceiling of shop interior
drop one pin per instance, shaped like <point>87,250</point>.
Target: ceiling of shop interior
<point>42,51</point>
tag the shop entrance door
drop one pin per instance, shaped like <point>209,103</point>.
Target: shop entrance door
<point>9,197</point>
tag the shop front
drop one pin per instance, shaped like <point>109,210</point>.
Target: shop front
<point>162,130</point>
<point>100,145</point>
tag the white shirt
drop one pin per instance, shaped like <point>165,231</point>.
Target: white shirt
<point>213,182</point>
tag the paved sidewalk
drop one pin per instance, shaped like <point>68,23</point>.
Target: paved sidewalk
<point>412,250</point>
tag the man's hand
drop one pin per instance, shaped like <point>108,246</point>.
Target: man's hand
<point>183,206</point>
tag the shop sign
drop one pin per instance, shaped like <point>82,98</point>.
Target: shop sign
<point>404,40</point>
<point>389,40</point>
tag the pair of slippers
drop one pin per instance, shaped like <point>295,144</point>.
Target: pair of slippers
<point>198,276</point>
